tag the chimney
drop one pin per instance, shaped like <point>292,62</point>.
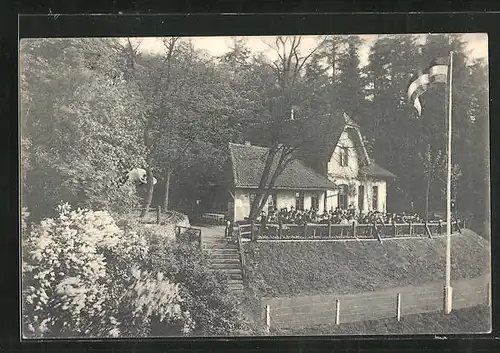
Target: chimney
<point>247,143</point>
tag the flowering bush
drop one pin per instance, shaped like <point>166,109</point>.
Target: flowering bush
<point>83,276</point>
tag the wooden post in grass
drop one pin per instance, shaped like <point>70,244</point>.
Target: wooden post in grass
<point>337,311</point>
<point>354,228</point>
<point>329,228</point>
<point>158,211</point>
<point>268,318</point>
<point>398,307</point>
<point>305,230</point>
<point>440,229</point>
<point>409,228</point>
<point>393,228</point>
<point>252,230</point>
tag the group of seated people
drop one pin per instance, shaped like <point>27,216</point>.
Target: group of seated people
<point>337,216</point>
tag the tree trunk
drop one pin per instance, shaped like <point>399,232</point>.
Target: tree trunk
<point>168,174</point>
<point>263,181</point>
<point>427,192</point>
<point>282,164</point>
<point>149,193</point>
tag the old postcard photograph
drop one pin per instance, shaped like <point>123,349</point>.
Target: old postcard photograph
<point>254,186</point>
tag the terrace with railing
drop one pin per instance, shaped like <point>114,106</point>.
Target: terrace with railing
<point>317,231</point>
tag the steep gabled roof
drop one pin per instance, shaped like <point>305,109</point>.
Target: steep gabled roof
<point>323,134</point>
<point>374,170</point>
<point>248,164</point>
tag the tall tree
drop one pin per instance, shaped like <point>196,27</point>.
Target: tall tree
<point>348,84</point>
<point>78,128</point>
<point>280,139</point>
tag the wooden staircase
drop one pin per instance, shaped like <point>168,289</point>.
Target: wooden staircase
<point>224,257</point>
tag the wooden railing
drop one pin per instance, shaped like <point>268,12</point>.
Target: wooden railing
<point>343,231</point>
<point>187,234</point>
<point>242,255</point>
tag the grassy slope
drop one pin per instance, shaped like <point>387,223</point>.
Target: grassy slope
<point>470,320</point>
<point>291,269</point>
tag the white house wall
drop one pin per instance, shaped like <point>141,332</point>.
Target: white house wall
<point>349,175</point>
<point>332,199</point>
<point>334,167</point>
<point>285,199</point>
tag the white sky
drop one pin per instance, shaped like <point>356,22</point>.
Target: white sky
<point>477,44</point>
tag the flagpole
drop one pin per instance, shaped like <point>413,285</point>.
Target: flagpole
<point>448,288</point>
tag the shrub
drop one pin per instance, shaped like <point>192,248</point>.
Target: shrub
<point>214,310</point>
<point>83,276</point>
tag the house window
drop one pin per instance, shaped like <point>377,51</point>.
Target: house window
<point>315,201</point>
<point>342,197</point>
<point>344,156</point>
<point>272,201</point>
<point>361,198</point>
<point>299,200</point>
<point>375,198</point>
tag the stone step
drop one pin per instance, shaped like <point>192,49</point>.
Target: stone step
<point>237,288</point>
<point>226,260</point>
<point>214,242</point>
<point>230,270</point>
<point>235,281</point>
<point>220,246</point>
<point>228,266</point>
<point>222,253</point>
<point>232,274</point>
<point>216,256</point>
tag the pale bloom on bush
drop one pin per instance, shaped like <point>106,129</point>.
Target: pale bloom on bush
<point>79,266</point>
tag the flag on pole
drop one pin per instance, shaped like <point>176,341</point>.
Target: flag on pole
<point>437,72</point>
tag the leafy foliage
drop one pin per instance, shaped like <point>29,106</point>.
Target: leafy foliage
<point>214,310</point>
<point>77,126</point>
<point>85,277</point>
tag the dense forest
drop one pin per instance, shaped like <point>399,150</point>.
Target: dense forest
<point>91,109</point>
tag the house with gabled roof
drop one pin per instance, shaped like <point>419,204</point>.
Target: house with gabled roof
<point>333,170</point>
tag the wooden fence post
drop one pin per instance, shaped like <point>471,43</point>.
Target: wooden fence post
<point>409,228</point>
<point>305,230</point>
<point>158,211</point>
<point>393,228</point>
<point>428,230</point>
<point>354,228</point>
<point>268,318</point>
<point>252,231</point>
<point>337,311</point>
<point>329,228</point>
<point>440,229</point>
<point>280,228</point>
<point>398,307</point>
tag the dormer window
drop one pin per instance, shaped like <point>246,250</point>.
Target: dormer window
<point>344,156</point>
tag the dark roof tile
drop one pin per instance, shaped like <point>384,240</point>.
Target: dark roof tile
<point>375,170</point>
<point>248,164</point>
